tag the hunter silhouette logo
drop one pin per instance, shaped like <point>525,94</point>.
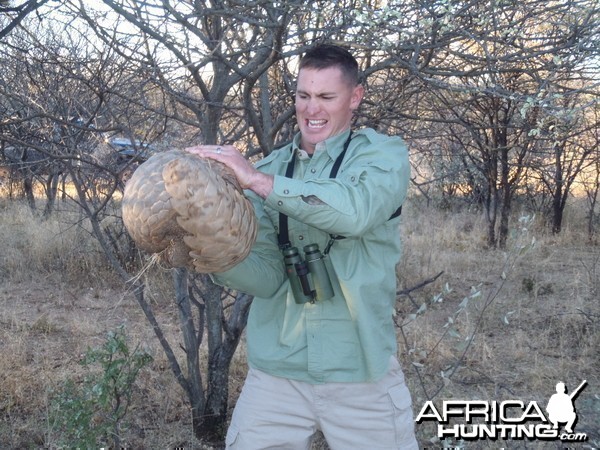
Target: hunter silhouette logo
<point>560,406</point>
<point>509,419</point>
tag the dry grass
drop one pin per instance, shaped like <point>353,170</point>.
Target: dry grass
<point>537,322</point>
<point>541,324</point>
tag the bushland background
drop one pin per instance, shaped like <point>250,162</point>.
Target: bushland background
<point>498,288</point>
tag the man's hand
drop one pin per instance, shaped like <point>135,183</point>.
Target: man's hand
<point>246,174</point>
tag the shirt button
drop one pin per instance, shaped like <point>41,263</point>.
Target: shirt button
<point>279,203</point>
<point>285,191</point>
<point>313,170</point>
<point>352,178</point>
<point>301,237</point>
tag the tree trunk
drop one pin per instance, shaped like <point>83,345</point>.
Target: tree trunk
<point>557,210</point>
<point>491,201</point>
<point>213,422</point>
<point>191,344</point>
<point>28,190</point>
<point>506,199</point>
<point>210,405</point>
<point>220,362</point>
<point>592,195</point>
<point>51,191</point>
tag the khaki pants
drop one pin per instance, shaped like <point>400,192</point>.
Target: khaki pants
<point>281,414</point>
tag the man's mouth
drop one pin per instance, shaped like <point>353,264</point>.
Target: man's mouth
<point>316,124</point>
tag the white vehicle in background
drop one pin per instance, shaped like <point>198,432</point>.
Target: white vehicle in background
<point>127,149</point>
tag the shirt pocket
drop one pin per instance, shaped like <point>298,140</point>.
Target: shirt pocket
<point>370,170</point>
<point>372,183</point>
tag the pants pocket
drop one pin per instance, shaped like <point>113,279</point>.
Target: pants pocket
<point>231,437</point>
<point>403,417</point>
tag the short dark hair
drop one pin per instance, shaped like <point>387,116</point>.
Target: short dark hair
<point>324,56</point>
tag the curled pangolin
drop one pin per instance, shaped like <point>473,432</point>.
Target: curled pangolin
<point>190,211</point>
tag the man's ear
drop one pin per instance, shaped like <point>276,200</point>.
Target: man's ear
<point>357,95</point>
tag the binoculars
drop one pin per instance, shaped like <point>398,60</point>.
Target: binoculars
<point>309,278</point>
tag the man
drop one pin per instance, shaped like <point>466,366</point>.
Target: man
<point>327,363</point>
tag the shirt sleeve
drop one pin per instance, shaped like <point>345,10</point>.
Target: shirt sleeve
<point>371,185</point>
<point>262,272</point>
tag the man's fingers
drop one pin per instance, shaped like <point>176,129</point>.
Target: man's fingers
<point>211,151</point>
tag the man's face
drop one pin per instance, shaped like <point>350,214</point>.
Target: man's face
<point>325,101</point>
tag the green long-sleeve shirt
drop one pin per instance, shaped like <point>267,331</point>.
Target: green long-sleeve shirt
<point>350,337</point>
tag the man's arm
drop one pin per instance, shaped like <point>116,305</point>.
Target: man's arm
<point>370,187</point>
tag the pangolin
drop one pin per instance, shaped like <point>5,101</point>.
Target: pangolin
<point>190,211</point>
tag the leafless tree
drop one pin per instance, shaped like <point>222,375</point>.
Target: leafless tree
<point>12,13</point>
<point>498,78</point>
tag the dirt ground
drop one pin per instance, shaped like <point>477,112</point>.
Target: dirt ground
<point>534,333</point>
<point>45,330</point>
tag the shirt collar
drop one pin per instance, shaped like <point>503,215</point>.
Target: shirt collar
<point>295,147</point>
<point>333,146</point>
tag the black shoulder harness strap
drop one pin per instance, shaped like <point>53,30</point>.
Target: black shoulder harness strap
<point>283,236</point>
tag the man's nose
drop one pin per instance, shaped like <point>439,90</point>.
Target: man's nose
<point>312,106</point>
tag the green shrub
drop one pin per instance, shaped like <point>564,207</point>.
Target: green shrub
<point>90,414</point>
